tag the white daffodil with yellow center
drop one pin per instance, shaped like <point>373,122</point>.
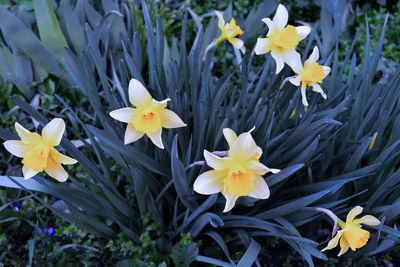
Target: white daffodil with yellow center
<point>309,75</point>
<point>352,235</point>
<point>282,39</point>
<point>239,174</point>
<point>148,116</point>
<point>38,153</point>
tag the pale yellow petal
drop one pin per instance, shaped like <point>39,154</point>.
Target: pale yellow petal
<point>170,119</point>
<point>367,220</point>
<point>244,148</point>
<point>52,133</point>
<point>334,241</point>
<point>123,114</point>
<point>313,58</point>
<point>26,136</point>
<point>236,42</point>
<point>353,213</point>
<point>214,161</point>
<point>60,158</point>
<point>159,105</point>
<point>138,94</point>
<point>156,138</point>
<point>16,147</point>
<point>132,135</point>
<point>209,182</point>
<point>317,88</point>
<point>221,20</point>
<point>261,189</point>
<point>230,135</point>
<point>56,170</point>
<point>257,167</point>
<point>344,247</point>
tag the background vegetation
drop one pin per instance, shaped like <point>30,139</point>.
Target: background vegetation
<point>326,151</point>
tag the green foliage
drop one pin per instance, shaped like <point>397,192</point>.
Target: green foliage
<point>140,198</point>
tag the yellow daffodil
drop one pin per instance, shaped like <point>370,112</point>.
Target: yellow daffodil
<point>148,116</point>
<point>238,174</point>
<point>282,39</point>
<point>352,235</point>
<point>311,74</point>
<point>229,32</point>
<point>38,153</point>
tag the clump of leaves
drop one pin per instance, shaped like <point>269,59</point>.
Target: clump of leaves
<point>336,154</point>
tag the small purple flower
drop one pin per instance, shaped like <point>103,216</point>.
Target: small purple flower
<point>50,231</point>
<point>16,206</point>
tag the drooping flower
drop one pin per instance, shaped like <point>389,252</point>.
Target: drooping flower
<point>148,116</point>
<point>229,32</point>
<point>352,235</point>
<point>309,75</point>
<point>38,153</point>
<point>282,39</point>
<point>238,174</point>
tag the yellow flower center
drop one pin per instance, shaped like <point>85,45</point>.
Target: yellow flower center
<point>356,236</point>
<point>36,158</point>
<point>147,120</point>
<point>239,182</point>
<point>312,73</point>
<point>285,39</point>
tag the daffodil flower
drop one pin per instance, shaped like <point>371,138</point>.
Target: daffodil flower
<point>238,174</point>
<point>282,39</point>
<point>309,75</point>
<point>148,116</point>
<point>352,235</point>
<point>38,153</point>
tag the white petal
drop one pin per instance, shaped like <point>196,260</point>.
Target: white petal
<point>261,189</point>
<point>221,20</point>
<point>53,132</point>
<point>368,220</point>
<point>236,42</point>
<point>293,59</point>
<point>313,58</point>
<point>230,202</point>
<point>160,104</point>
<point>295,80</point>
<point>208,183</point>
<point>317,88</point>
<point>257,167</point>
<point>353,213</point>
<point>274,170</point>
<point>170,119</point>
<point>327,70</point>
<point>132,135</point>
<point>123,114</point>
<point>262,46</point>
<point>28,173</point>
<point>244,147</point>
<point>16,147</point>
<point>214,161</point>
<point>230,135</point>
<point>138,94</point>
<point>303,95</point>
<point>156,139</point>
<point>280,19</point>
<point>278,57</point>
<point>269,23</point>
<point>303,31</point>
